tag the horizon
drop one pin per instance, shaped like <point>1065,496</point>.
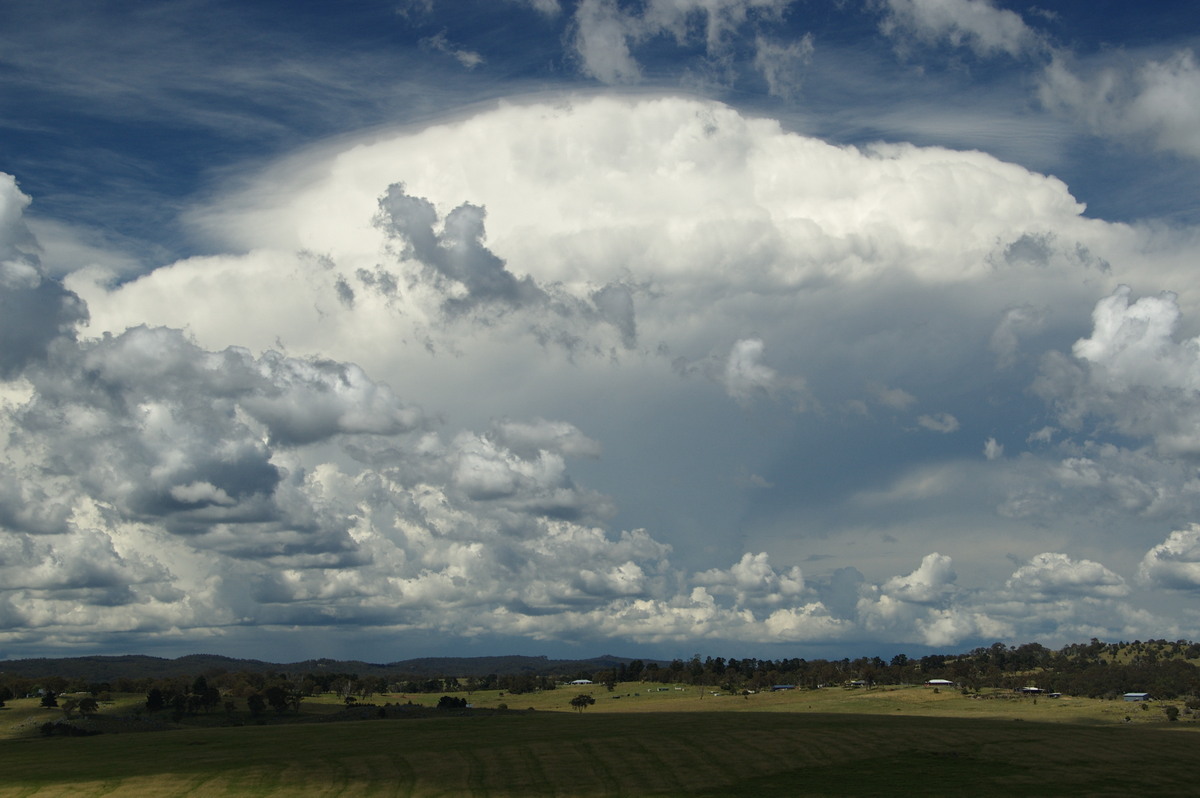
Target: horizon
<point>704,657</point>
<point>562,325</point>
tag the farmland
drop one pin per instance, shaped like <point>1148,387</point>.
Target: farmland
<point>635,740</point>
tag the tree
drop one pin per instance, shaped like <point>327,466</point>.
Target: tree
<point>582,702</point>
<point>155,700</point>
<point>49,699</point>
<point>88,707</point>
<point>210,698</point>
<point>277,697</point>
<point>256,704</point>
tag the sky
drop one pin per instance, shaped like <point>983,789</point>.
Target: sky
<point>774,328</point>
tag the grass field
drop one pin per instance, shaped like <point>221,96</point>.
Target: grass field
<point>878,742</point>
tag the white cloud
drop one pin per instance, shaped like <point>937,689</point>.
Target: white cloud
<point>1043,435</point>
<point>893,398</point>
<point>782,64</point>
<point>1153,104</point>
<point>369,417</point>
<point>34,310</point>
<point>604,31</point>
<point>745,376</point>
<point>1132,374</point>
<point>977,24</point>
<point>1175,563</point>
<point>548,7</point>
<point>1016,322</point>
<point>926,605</point>
<point>1110,485</point>
<point>993,450</point>
<point>439,43</point>
<point>1049,576</point>
<point>946,627</point>
<point>939,422</point>
<point>541,435</point>
<point>752,581</point>
<point>602,34</point>
<point>931,582</point>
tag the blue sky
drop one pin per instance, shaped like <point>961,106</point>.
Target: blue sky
<point>748,327</point>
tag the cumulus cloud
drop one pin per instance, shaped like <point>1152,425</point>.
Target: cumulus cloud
<point>1100,482</point>
<point>527,437</point>
<point>927,605</point>
<point>1131,374</point>
<point>539,484</point>
<point>528,276</point>
<point>161,427</point>
<point>1175,563</point>
<point>456,254</point>
<point>931,582</point>
<point>745,376</point>
<point>1050,576</point>
<point>34,309</point>
<point>752,580</point>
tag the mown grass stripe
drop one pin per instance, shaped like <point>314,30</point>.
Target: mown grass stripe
<point>632,754</point>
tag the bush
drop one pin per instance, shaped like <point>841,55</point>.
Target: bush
<point>61,729</point>
<point>450,702</point>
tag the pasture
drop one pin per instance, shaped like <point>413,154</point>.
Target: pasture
<point>830,742</point>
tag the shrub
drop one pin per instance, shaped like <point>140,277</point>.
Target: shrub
<point>61,729</point>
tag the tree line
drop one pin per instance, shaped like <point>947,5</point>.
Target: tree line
<point>1162,668</point>
<point>1096,669</point>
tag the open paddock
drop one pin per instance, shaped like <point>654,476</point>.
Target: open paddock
<point>664,753</point>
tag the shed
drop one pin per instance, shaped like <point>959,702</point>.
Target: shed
<point>1137,696</point>
<point>583,681</point>
<point>938,683</point>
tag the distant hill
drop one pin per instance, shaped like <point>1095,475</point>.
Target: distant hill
<point>137,666</point>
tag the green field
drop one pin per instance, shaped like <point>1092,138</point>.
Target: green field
<point>829,742</point>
